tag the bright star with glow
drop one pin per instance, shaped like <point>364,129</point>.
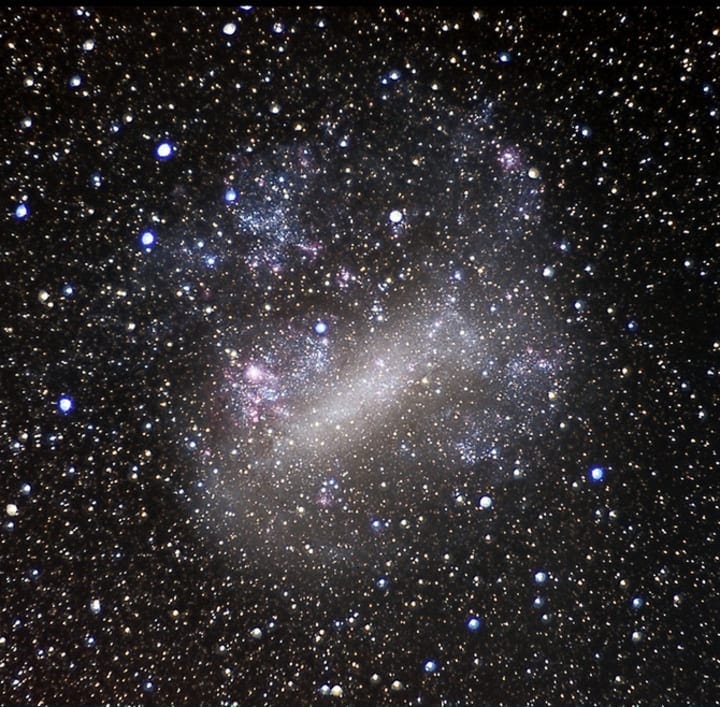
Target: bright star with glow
<point>474,624</point>
<point>147,239</point>
<point>65,404</point>
<point>164,150</point>
<point>597,474</point>
<point>430,666</point>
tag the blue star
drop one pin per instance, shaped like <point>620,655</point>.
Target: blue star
<point>597,474</point>
<point>65,404</point>
<point>164,151</point>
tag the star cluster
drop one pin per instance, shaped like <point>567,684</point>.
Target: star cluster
<point>359,355</point>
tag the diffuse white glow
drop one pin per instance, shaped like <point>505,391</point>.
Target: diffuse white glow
<point>399,367</point>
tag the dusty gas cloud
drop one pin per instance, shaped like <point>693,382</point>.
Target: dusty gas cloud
<point>359,355</point>
<point>439,391</point>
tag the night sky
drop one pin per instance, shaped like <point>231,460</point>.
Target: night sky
<point>359,356</point>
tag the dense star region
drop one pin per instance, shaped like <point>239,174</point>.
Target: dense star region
<point>359,356</point>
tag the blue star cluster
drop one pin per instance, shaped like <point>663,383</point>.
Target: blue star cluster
<point>359,356</point>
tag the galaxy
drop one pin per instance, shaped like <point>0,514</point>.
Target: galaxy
<point>359,356</point>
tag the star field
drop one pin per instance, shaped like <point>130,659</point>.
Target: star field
<point>359,356</point>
